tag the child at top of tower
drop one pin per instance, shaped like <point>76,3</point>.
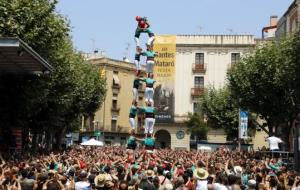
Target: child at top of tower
<point>143,27</point>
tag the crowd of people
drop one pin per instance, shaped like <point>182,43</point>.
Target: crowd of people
<point>84,168</point>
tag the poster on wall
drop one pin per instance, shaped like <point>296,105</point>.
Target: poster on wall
<point>164,74</point>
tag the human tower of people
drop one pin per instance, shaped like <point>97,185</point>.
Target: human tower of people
<point>148,111</point>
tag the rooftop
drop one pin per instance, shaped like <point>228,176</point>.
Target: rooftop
<point>215,39</point>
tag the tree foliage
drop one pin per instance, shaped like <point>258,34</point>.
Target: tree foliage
<point>197,126</point>
<point>267,82</point>
<point>221,110</point>
<point>52,103</point>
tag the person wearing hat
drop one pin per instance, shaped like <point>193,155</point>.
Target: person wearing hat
<point>251,184</point>
<point>100,181</point>
<point>150,174</point>
<point>143,27</point>
<point>201,176</point>
<point>83,183</point>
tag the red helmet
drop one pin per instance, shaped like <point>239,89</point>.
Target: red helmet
<point>142,24</point>
<point>138,18</point>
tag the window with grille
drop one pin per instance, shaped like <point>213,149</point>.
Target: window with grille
<point>199,58</point>
<point>235,58</point>
<point>113,125</point>
<point>196,107</point>
<point>114,104</point>
<point>199,82</point>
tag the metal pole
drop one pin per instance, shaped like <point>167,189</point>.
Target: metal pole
<point>239,131</point>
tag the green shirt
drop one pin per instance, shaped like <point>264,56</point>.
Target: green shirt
<point>149,81</point>
<point>148,109</point>
<point>149,141</point>
<point>151,54</point>
<point>133,110</point>
<point>131,140</point>
<point>136,83</point>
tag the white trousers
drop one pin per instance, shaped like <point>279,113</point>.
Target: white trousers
<point>132,123</point>
<point>149,66</point>
<point>137,41</point>
<point>150,41</point>
<point>149,94</point>
<point>149,125</point>
<point>135,94</point>
<point>137,65</point>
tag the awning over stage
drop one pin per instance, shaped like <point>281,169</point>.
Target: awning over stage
<point>92,142</point>
<point>18,57</point>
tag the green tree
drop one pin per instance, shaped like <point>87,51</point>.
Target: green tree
<point>222,112</point>
<point>50,103</point>
<point>267,82</point>
<point>197,126</point>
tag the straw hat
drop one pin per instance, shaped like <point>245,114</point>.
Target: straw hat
<point>149,173</point>
<point>100,180</point>
<point>200,173</point>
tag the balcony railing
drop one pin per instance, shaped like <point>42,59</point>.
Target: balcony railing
<point>116,86</point>
<point>115,108</point>
<point>197,91</point>
<point>199,68</point>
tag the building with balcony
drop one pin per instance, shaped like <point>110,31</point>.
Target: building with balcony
<point>202,61</point>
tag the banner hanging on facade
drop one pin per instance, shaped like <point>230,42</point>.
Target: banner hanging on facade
<point>243,128</point>
<point>164,74</point>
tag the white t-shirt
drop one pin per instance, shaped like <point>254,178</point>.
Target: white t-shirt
<point>201,185</point>
<point>218,186</point>
<point>273,142</point>
<point>82,185</point>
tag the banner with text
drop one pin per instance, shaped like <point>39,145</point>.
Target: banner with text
<point>164,74</point>
<point>243,131</point>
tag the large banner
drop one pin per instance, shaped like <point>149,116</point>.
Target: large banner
<point>164,74</point>
<point>243,128</point>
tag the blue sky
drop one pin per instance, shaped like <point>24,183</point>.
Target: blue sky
<point>110,24</point>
